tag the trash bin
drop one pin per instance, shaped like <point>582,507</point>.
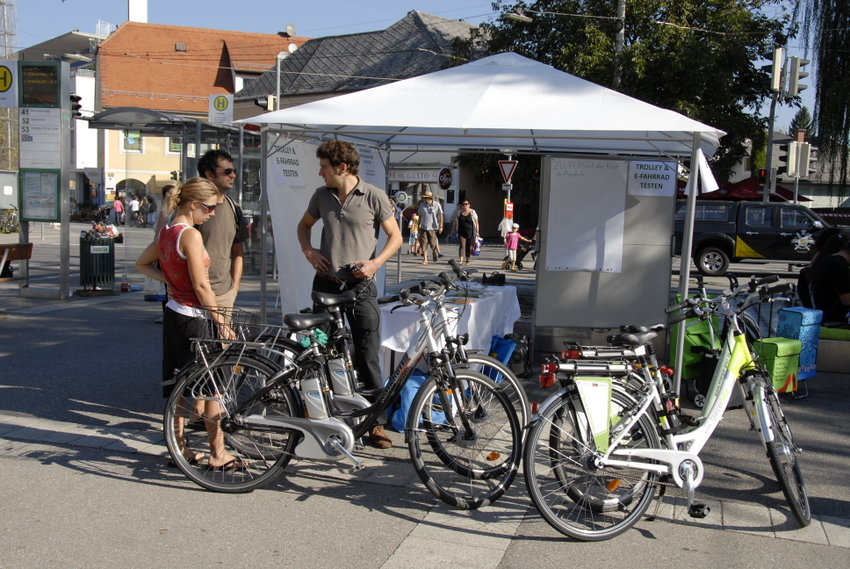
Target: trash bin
<point>781,358</point>
<point>97,263</point>
<point>802,324</point>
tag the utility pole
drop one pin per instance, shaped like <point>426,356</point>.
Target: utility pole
<point>619,42</point>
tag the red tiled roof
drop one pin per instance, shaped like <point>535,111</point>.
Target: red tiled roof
<point>139,64</point>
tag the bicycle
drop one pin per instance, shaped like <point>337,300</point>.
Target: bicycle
<point>11,223</point>
<point>596,451</point>
<point>459,416</point>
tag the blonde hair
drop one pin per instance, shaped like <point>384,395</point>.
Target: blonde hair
<point>194,189</point>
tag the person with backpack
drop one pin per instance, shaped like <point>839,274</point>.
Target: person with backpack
<point>225,233</point>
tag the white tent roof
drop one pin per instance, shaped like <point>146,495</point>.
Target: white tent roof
<point>504,101</point>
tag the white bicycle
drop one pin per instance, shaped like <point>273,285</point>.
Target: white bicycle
<point>597,450</point>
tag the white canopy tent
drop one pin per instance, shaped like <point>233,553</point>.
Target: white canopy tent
<point>503,101</point>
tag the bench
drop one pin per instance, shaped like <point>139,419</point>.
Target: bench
<point>834,350</point>
<point>16,252</point>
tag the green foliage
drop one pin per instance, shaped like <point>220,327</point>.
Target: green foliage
<point>698,58</point>
<point>802,121</point>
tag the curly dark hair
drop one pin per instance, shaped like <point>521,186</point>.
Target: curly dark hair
<point>340,152</point>
<point>209,161</point>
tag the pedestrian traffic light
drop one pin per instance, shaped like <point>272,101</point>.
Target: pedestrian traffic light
<point>794,76</point>
<point>175,175</point>
<point>76,107</point>
<point>762,176</point>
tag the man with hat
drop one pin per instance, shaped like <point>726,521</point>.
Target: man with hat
<point>430,225</point>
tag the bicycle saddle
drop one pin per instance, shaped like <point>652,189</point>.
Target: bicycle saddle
<point>307,321</point>
<point>331,299</point>
<point>631,340</point>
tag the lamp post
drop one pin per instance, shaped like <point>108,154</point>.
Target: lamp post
<point>280,56</point>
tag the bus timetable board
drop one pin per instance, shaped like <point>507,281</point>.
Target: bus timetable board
<point>39,84</point>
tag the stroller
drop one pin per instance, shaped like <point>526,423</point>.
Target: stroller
<point>522,250</point>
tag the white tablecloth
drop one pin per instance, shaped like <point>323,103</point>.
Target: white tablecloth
<point>486,316</point>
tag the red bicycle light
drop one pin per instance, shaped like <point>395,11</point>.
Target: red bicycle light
<point>547,380</point>
<point>571,354</point>
<point>666,370</point>
<point>548,368</point>
<point>534,407</point>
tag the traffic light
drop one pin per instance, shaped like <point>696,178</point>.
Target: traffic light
<point>794,76</point>
<point>269,102</point>
<point>788,156</point>
<point>804,158</point>
<point>762,176</point>
<point>776,69</point>
<point>76,107</point>
<point>175,175</point>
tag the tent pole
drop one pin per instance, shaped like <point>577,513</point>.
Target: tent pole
<point>261,226</point>
<point>685,264</point>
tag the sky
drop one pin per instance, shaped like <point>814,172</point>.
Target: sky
<point>41,20</point>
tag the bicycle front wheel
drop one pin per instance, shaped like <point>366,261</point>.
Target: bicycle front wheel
<point>572,494</point>
<point>782,455</point>
<point>203,423</point>
<point>464,439</point>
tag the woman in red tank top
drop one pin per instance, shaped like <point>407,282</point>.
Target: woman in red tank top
<point>184,266</point>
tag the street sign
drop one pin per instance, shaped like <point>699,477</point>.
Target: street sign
<point>507,167</point>
<point>221,109</point>
<point>41,138</point>
<point>8,84</point>
<point>507,187</point>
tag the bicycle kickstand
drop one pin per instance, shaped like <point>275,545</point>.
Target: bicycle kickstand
<point>694,510</point>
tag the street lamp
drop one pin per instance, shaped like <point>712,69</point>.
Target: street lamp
<point>280,56</point>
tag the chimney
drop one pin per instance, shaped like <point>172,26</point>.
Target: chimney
<point>799,135</point>
<point>137,11</point>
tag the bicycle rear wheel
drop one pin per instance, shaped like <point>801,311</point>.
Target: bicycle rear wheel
<point>466,441</point>
<point>208,404</point>
<point>505,378</point>
<point>573,495</point>
<point>782,455</point>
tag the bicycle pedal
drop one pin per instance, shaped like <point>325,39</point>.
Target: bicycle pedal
<point>357,468</point>
<point>698,510</point>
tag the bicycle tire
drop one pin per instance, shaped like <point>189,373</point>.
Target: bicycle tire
<point>578,500</point>
<point>503,376</point>
<point>469,458</point>
<point>230,382</point>
<point>782,455</point>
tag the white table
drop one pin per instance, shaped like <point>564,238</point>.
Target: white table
<point>486,316</point>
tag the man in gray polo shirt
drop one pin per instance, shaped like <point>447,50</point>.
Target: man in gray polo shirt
<point>352,212</point>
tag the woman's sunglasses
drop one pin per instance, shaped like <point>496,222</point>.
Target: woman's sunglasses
<point>209,208</point>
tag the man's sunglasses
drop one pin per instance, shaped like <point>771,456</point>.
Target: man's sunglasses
<point>227,171</point>
<point>209,208</point>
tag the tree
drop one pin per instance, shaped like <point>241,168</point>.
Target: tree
<point>826,30</point>
<point>694,57</point>
<point>802,121</point>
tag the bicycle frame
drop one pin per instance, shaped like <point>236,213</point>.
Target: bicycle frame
<point>683,449</point>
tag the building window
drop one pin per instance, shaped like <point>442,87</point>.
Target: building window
<point>131,142</point>
<point>174,146</point>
